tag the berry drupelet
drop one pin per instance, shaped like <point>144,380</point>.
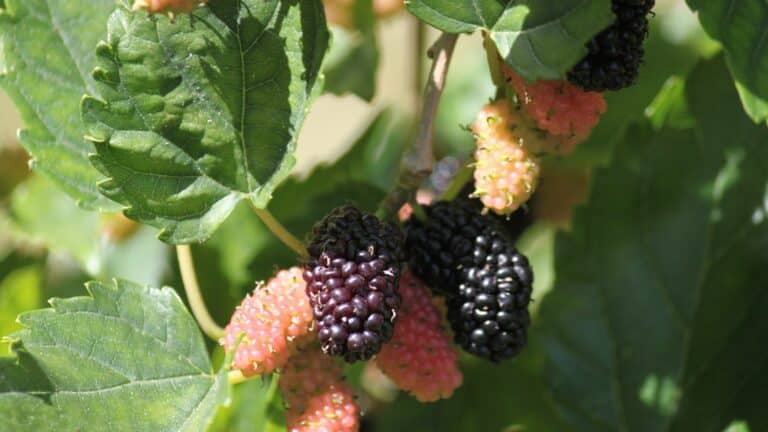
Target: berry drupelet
<point>352,277</point>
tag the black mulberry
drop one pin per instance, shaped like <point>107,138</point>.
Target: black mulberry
<point>616,53</point>
<point>469,258</point>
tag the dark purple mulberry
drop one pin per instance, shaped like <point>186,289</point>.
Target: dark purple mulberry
<point>352,277</point>
<point>616,53</point>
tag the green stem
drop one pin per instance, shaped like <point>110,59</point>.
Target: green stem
<point>495,65</point>
<point>280,232</point>
<point>195,298</point>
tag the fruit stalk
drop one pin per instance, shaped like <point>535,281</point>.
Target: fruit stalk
<point>192,289</point>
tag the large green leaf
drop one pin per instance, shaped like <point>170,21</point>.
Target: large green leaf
<point>541,39</point>
<point>659,302</point>
<point>128,358</point>
<point>46,55</point>
<point>741,27</point>
<point>202,112</point>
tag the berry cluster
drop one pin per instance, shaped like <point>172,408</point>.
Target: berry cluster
<point>420,358</point>
<point>506,171</point>
<point>565,112</point>
<point>488,283</point>
<point>352,276</point>
<point>316,396</point>
<point>271,321</point>
<point>616,53</point>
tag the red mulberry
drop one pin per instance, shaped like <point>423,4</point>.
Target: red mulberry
<point>316,395</point>
<point>271,320</point>
<point>420,358</point>
<point>566,112</point>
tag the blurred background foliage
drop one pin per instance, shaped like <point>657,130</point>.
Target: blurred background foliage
<point>349,151</point>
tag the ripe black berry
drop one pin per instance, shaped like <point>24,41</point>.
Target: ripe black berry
<point>352,276</point>
<point>466,255</point>
<point>434,246</point>
<point>616,53</point>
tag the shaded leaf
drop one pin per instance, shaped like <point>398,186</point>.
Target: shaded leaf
<point>127,358</point>
<point>200,113</point>
<point>541,39</point>
<point>51,43</point>
<point>660,286</point>
<point>741,27</point>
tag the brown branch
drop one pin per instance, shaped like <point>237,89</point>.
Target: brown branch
<point>419,160</point>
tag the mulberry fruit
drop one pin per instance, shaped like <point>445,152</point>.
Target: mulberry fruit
<point>167,6</point>
<point>352,278</point>
<point>272,320</point>
<point>420,358</point>
<point>615,54</point>
<point>316,396</point>
<point>489,316</point>
<point>487,282</point>
<point>506,171</point>
<point>566,112</point>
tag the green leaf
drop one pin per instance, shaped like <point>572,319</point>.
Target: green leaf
<point>202,112</point>
<point>354,55</point>
<point>659,296</point>
<point>741,27</point>
<point>248,411</point>
<point>541,39</point>
<point>46,54</point>
<point>127,358</point>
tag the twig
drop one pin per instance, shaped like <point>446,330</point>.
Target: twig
<point>195,298</point>
<point>420,33</point>
<point>280,232</point>
<point>417,163</point>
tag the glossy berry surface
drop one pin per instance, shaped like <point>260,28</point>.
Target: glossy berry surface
<point>469,258</point>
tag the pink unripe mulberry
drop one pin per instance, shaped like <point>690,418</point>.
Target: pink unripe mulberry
<point>506,170</point>
<point>316,396</point>
<point>420,358</point>
<point>565,111</point>
<point>270,320</point>
<point>167,6</point>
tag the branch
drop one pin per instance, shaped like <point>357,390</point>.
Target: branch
<point>418,161</point>
<point>192,288</point>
